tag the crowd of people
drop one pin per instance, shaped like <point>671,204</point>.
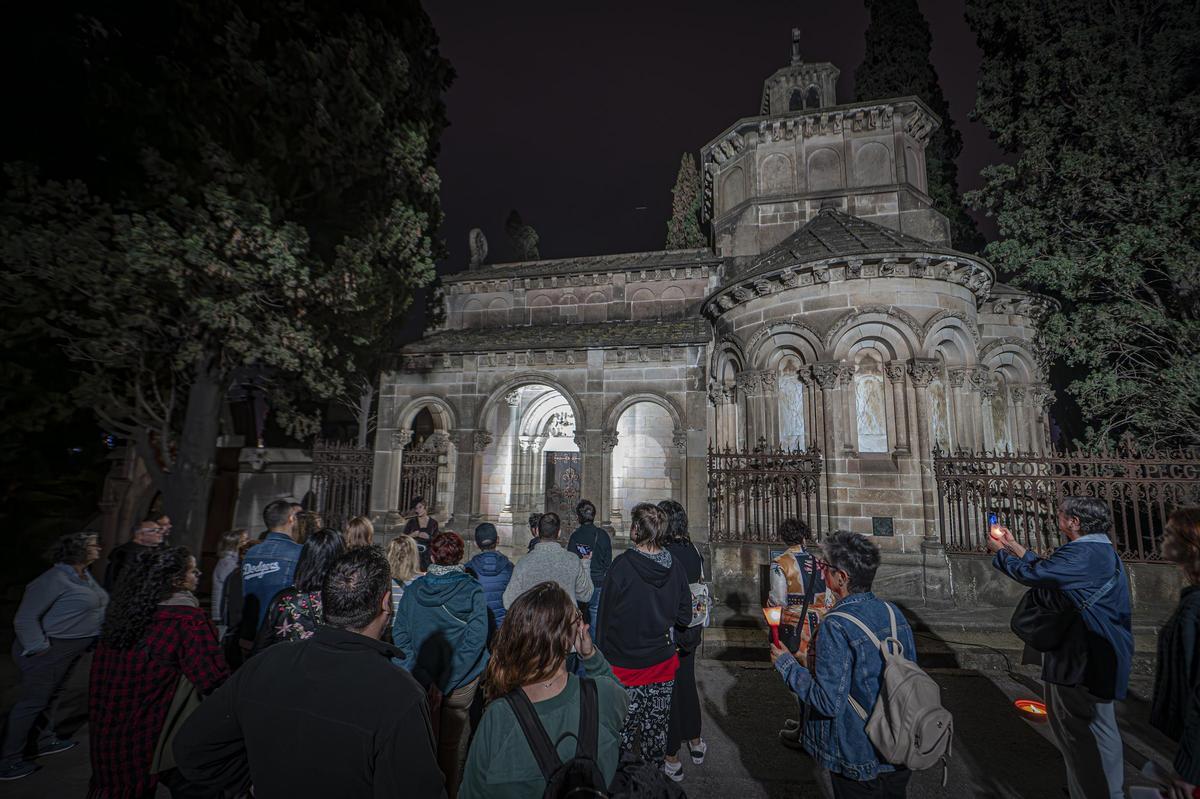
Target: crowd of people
<point>329,666</point>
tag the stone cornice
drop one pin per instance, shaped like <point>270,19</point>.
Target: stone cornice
<point>1031,306</point>
<point>584,271</point>
<point>957,269</point>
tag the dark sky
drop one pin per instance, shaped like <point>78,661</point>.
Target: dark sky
<point>576,113</point>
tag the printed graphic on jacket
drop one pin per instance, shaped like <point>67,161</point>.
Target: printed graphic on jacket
<point>790,573</point>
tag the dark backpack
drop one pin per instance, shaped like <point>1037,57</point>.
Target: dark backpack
<point>579,777</point>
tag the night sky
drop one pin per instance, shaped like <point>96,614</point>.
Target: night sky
<point>576,114</point>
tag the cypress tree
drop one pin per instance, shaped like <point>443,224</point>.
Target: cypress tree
<point>896,63</point>
<point>683,229</point>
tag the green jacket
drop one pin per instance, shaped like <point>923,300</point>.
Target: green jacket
<point>501,765</point>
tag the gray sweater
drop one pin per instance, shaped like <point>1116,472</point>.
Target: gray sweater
<point>548,561</point>
<point>58,604</point>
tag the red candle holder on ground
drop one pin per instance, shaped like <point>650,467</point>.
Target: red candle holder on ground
<point>774,616</point>
<point>1031,709</point>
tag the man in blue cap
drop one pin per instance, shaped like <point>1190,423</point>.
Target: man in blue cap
<point>493,570</point>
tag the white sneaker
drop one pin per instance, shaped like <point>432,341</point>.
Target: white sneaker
<point>673,770</point>
<point>698,751</point>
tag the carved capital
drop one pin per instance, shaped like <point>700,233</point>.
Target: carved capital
<point>525,442</point>
<point>438,441</point>
<point>958,376</point>
<point>608,440</point>
<point>748,383</point>
<point>401,439</point>
<point>826,373</point>
<point>1018,394</point>
<point>719,393</point>
<point>1042,395</point>
<point>581,441</point>
<point>679,439</point>
<point>482,440</point>
<point>513,398</point>
<point>979,377</point>
<point>768,382</point>
<point>895,371</point>
<point>923,371</point>
<point>989,391</point>
<point>845,374</point>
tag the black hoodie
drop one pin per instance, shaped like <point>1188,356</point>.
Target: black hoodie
<point>642,600</point>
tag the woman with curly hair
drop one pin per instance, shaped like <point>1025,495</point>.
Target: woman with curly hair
<point>441,627</point>
<point>56,625</point>
<point>1175,708</point>
<point>295,612</point>
<point>528,665</point>
<point>156,641</point>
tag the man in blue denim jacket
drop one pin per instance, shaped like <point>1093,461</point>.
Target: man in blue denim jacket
<point>848,664</point>
<point>269,567</point>
<point>1081,685</point>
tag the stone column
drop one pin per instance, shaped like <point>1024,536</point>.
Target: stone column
<point>1020,426</point>
<point>960,408</point>
<point>748,391</point>
<point>899,401</point>
<point>987,393</point>
<point>720,397</point>
<point>608,442</point>
<point>510,447</point>
<point>825,375</point>
<point>679,440</point>
<point>847,410</point>
<point>468,484</point>
<point>768,400</point>
<point>389,492</point>
<point>935,566</point>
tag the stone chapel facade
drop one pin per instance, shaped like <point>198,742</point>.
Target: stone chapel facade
<point>831,312</point>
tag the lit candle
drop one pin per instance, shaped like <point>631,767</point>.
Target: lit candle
<point>773,615</point>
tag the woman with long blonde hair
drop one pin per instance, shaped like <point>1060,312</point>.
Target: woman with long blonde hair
<point>528,665</point>
<point>404,560</point>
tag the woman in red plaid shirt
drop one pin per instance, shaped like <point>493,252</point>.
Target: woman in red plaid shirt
<point>154,634</point>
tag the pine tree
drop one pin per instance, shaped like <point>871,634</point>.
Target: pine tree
<point>683,229</point>
<point>522,237</point>
<point>896,63</point>
<point>1100,205</point>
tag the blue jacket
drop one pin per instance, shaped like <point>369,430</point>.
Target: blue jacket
<point>1079,568</point>
<point>847,663</point>
<point>493,571</point>
<point>441,627</point>
<point>267,569</point>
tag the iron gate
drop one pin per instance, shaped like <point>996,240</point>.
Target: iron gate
<point>418,478</point>
<point>750,493</point>
<point>341,484</point>
<point>1141,489</point>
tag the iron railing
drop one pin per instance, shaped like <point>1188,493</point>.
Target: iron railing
<point>341,483</point>
<point>1024,491</point>
<point>419,478</point>
<point>750,493</point>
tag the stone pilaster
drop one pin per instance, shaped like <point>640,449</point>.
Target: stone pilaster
<point>935,566</point>
<point>895,374</point>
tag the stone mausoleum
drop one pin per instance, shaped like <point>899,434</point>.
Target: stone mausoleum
<point>831,315</point>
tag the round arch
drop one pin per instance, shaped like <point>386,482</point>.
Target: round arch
<point>778,339</point>
<point>888,337</point>
<point>613,414</point>
<point>944,329</point>
<point>530,379</point>
<point>728,350</point>
<point>896,326</point>
<point>445,418</point>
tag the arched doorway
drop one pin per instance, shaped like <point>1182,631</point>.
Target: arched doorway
<point>646,465</point>
<point>534,464</point>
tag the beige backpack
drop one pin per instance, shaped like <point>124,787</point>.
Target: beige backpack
<point>908,724</point>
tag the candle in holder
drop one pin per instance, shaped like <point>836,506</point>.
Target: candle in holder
<point>1031,709</point>
<point>774,615</point>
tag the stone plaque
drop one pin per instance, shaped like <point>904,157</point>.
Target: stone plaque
<point>882,525</point>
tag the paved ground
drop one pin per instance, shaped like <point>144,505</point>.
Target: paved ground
<point>996,753</point>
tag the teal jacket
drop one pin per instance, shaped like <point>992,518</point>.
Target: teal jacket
<point>441,626</point>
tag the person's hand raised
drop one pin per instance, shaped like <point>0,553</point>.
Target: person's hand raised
<point>583,640</point>
<point>777,651</point>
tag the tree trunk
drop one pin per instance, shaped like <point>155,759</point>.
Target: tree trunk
<point>189,483</point>
<point>366,398</point>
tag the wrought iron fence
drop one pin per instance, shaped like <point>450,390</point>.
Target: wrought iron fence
<point>341,483</point>
<point>750,493</point>
<point>419,478</point>
<point>1023,490</point>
